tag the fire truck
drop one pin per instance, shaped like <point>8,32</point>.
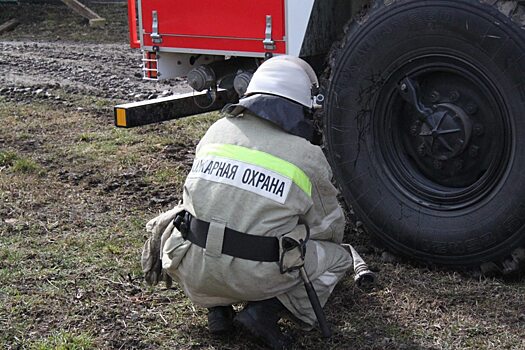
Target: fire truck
<point>424,112</point>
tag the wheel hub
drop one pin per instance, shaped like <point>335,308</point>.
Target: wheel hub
<point>446,132</point>
<point>441,129</point>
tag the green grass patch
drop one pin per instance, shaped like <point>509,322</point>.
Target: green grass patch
<point>88,137</point>
<point>125,137</point>
<point>114,249</point>
<point>129,159</point>
<point>193,128</point>
<point>26,166</point>
<point>64,340</point>
<point>19,164</point>
<point>105,143</point>
<point>22,136</point>
<point>165,175</point>
<point>94,150</point>
<point>9,256</point>
<point>7,158</point>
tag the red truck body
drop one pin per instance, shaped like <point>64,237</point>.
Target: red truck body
<point>213,31</point>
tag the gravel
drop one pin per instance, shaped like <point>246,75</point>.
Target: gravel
<point>44,70</point>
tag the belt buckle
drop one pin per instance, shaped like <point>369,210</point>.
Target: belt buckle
<point>182,223</point>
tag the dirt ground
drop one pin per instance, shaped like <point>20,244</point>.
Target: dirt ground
<point>75,194</point>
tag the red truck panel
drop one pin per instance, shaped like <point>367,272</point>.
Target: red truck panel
<point>214,24</point>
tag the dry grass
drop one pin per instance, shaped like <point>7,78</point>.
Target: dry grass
<point>71,234</point>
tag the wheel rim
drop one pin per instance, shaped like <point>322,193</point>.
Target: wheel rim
<point>459,158</point>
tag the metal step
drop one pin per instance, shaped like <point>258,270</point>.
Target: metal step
<point>150,65</point>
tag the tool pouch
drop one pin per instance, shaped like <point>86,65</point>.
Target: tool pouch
<point>292,249</point>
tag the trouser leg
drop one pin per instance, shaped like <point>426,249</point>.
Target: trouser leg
<point>326,264</point>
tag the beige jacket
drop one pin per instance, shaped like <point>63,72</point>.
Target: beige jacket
<point>267,208</point>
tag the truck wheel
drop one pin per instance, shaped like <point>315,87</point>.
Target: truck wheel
<point>425,129</point>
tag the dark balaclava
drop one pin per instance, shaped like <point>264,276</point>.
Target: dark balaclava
<point>292,117</point>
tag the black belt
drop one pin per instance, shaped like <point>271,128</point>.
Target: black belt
<point>235,243</point>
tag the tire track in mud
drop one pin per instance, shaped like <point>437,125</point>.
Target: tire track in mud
<point>113,71</point>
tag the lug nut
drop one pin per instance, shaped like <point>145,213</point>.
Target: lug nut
<point>438,165</point>
<point>458,164</point>
<point>473,151</point>
<point>414,129</point>
<point>478,129</point>
<point>434,96</point>
<point>454,95</point>
<point>471,108</point>
<point>422,150</point>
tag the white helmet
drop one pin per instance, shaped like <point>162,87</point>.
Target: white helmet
<point>285,76</point>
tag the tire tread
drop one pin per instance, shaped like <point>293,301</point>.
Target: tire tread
<point>511,266</point>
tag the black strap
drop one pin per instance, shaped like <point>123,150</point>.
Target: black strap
<point>235,243</point>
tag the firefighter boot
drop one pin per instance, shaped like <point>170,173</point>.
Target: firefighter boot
<point>220,319</point>
<point>260,319</point>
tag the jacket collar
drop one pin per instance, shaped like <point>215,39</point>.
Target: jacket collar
<point>284,113</point>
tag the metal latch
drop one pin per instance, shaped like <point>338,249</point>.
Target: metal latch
<point>155,36</point>
<point>268,42</point>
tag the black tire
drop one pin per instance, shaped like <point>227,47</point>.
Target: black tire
<point>455,196</point>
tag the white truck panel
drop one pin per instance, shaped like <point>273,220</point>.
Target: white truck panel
<point>297,16</point>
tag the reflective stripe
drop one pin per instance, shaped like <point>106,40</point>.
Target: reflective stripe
<point>259,158</point>
<point>121,117</point>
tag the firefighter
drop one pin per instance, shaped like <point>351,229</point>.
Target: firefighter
<point>258,205</point>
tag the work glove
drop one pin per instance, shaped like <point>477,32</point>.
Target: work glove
<point>160,229</point>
